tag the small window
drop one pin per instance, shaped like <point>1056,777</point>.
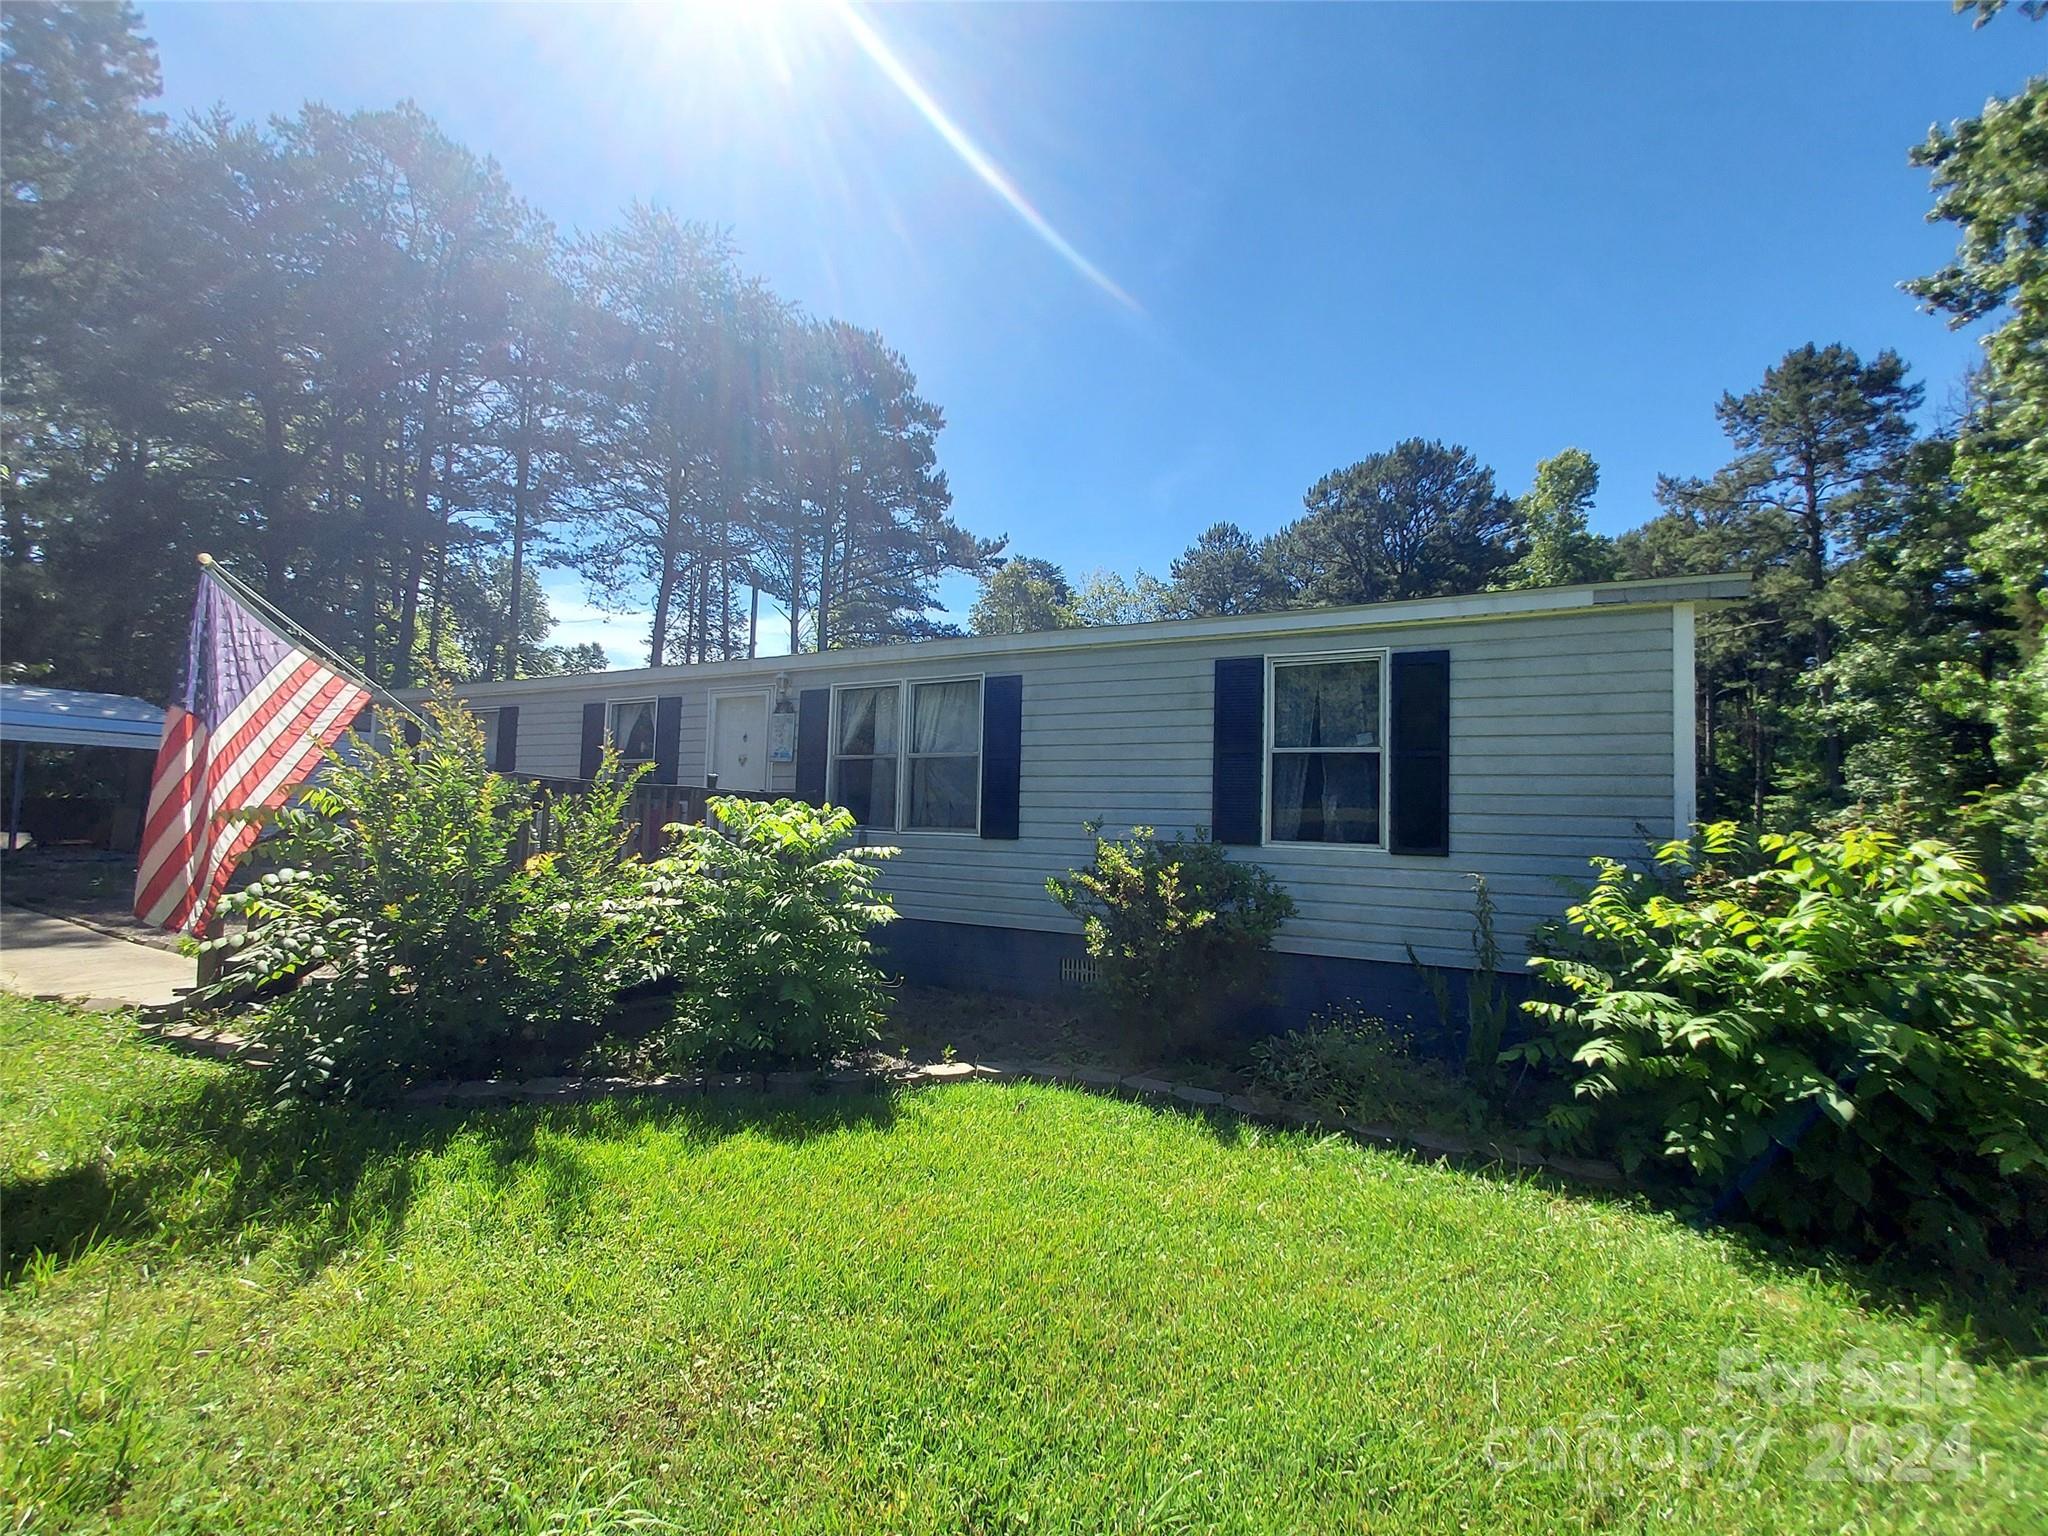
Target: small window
<point>867,755</point>
<point>945,756</point>
<point>1325,770</point>
<point>487,722</point>
<point>631,727</point>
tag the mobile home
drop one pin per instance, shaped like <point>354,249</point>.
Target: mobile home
<point>1374,758</point>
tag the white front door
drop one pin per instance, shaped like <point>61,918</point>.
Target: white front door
<point>739,741</point>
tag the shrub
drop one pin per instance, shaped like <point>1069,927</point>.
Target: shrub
<point>765,916</point>
<point>1353,1064</point>
<point>1842,1033</point>
<point>1181,932</point>
<point>409,939</point>
<point>1486,1000</point>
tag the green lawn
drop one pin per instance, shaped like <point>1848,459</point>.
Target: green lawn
<point>979,1308</point>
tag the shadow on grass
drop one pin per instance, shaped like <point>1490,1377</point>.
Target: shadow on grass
<point>215,1164</point>
<point>218,1163</point>
<point>1993,1315</point>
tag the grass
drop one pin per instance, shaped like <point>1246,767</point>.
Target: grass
<point>979,1308</point>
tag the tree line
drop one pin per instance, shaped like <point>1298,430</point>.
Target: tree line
<point>338,352</point>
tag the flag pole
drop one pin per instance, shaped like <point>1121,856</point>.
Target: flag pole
<point>242,592</point>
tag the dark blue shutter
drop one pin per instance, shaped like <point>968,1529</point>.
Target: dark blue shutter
<point>668,740</point>
<point>1420,772</point>
<point>1002,754</point>
<point>508,738</point>
<point>813,742</point>
<point>593,740</point>
<point>1239,782</point>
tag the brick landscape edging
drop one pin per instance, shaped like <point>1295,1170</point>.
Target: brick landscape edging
<point>1142,1086</point>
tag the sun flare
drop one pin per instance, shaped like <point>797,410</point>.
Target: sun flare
<point>778,47</point>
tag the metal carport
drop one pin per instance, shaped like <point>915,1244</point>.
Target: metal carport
<point>65,717</point>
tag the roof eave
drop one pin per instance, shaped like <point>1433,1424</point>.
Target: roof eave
<point>1477,607</point>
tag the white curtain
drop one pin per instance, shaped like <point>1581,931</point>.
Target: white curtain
<point>633,731</point>
<point>1326,797</point>
<point>946,717</point>
<point>1327,704</point>
<point>867,721</point>
<point>945,790</point>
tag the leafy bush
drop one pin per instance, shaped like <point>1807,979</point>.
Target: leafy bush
<point>1843,1033</point>
<point>764,917</point>
<point>1181,932</point>
<point>410,939</point>
<point>1354,1065</point>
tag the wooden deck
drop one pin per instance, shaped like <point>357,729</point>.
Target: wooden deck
<point>653,807</point>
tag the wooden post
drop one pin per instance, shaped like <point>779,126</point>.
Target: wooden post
<point>134,807</point>
<point>211,961</point>
<point>14,816</point>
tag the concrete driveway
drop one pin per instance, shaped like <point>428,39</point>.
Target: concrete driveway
<point>42,956</point>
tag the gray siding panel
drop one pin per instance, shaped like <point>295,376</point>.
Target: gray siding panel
<point>1561,749</point>
<point>696,722</point>
<point>550,734</point>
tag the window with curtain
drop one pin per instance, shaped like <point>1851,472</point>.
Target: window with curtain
<point>867,753</point>
<point>945,756</point>
<point>1324,764</point>
<point>632,729</point>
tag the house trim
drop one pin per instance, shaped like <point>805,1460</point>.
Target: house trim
<point>1685,778</point>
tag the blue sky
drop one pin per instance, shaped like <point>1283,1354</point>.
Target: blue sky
<point>1519,228</point>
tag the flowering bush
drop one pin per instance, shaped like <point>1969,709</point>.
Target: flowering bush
<point>1841,1036</point>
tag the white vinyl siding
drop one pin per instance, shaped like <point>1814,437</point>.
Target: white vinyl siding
<point>1562,747</point>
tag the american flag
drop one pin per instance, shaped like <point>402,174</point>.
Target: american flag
<point>253,719</point>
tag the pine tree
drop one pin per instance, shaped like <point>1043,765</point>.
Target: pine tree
<point>1225,571</point>
<point>1990,176</point>
<point>1023,595</point>
<point>1418,520</point>
<point>1820,446</point>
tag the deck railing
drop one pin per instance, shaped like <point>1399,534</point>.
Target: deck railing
<point>653,807</point>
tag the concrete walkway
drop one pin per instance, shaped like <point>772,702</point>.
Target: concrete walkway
<point>42,956</point>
